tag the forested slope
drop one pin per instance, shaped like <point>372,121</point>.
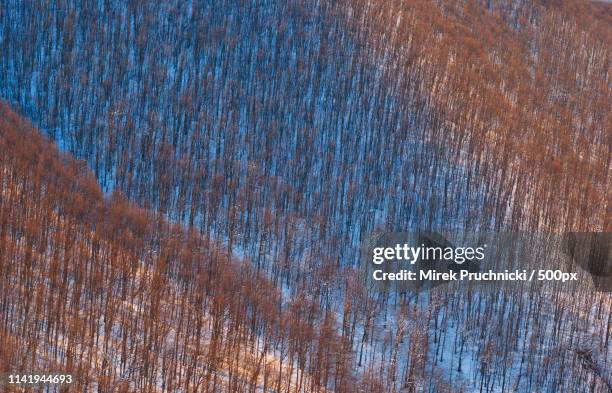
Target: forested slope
<point>124,301</point>
<point>217,112</point>
<point>287,131</point>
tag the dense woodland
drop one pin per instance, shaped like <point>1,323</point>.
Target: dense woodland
<point>236,154</point>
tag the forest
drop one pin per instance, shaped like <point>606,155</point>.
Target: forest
<point>185,187</point>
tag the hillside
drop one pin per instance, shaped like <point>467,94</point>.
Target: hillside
<point>125,301</point>
<point>206,173</point>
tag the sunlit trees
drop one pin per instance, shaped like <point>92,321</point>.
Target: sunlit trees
<point>282,134</point>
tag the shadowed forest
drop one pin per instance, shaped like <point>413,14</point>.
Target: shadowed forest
<point>185,187</point>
